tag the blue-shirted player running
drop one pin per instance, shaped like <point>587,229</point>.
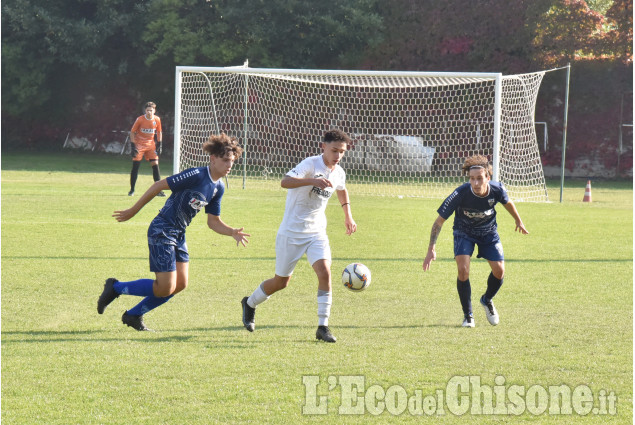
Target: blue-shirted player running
<point>192,190</point>
<point>475,224</point>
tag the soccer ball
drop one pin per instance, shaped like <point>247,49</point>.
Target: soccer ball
<point>356,277</point>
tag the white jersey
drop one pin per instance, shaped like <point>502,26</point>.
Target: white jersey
<point>304,210</point>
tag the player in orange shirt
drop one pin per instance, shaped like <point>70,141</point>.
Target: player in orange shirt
<point>143,144</point>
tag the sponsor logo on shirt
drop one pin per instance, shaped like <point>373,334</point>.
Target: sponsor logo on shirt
<point>147,130</point>
<point>478,214</point>
<point>322,192</point>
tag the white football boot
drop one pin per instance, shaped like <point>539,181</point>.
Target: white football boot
<point>468,322</point>
<point>490,311</point>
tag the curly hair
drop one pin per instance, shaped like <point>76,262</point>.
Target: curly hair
<point>477,161</point>
<point>220,145</point>
<point>336,135</point>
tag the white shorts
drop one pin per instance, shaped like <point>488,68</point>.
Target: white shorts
<point>290,250</point>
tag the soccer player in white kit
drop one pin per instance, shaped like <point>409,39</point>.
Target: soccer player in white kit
<point>303,230</point>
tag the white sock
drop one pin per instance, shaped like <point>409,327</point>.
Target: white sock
<point>324,301</point>
<point>258,297</point>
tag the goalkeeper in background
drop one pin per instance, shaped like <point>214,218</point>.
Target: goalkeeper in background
<point>143,145</point>
<point>193,190</point>
<point>475,224</point>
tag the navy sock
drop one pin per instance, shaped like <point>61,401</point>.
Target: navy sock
<point>141,287</point>
<point>493,285</point>
<point>155,173</point>
<point>134,173</point>
<point>147,304</point>
<point>465,295</point>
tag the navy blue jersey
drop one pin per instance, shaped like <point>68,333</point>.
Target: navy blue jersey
<point>474,215</point>
<point>192,190</point>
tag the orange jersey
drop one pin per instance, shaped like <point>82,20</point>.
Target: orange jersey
<point>145,129</point>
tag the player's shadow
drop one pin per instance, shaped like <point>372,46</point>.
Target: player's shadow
<point>363,260</point>
<point>41,337</point>
<point>223,338</point>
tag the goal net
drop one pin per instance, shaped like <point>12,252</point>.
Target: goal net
<point>410,131</point>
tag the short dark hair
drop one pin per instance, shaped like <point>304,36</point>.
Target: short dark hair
<point>220,145</point>
<point>150,105</point>
<point>336,136</point>
<point>477,161</point>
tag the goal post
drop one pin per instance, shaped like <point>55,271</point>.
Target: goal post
<point>410,131</point>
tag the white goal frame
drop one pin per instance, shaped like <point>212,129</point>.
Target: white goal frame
<point>209,119</point>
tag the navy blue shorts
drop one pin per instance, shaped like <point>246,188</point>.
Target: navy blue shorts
<point>165,252</point>
<point>489,246</point>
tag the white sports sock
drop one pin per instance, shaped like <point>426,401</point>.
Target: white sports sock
<point>258,297</point>
<point>324,301</point>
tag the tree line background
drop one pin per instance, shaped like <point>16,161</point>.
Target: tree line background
<point>87,66</point>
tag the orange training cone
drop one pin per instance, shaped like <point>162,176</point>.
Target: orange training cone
<point>587,192</point>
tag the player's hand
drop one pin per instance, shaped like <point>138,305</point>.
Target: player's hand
<point>124,215</point>
<point>159,148</point>
<point>351,226</point>
<point>520,227</point>
<point>133,150</point>
<point>430,257</point>
<point>240,237</point>
<point>322,183</point>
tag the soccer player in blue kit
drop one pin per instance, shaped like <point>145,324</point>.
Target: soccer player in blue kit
<point>475,224</point>
<point>193,189</point>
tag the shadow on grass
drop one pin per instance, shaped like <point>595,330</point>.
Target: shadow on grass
<point>184,335</point>
<point>363,260</point>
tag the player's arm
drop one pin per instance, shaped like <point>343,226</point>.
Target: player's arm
<point>216,224</point>
<point>511,209</point>
<point>133,146</point>
<point>351,226</point>
<point>159,145</point>
<point>289,182</point>
<point>145,198</point>
<point>434,234</point>
<point>133,143</point>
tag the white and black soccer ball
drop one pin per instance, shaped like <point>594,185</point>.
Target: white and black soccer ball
<point>356,277</point>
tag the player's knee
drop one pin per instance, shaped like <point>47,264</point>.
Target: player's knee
<point>164,288</point>
<point>498,270</point>
<point>180,286</point>
<point>281,282</point>
<point>463,272</point>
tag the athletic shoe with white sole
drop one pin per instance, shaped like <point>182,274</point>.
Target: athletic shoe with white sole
<point>468,322</point>
<point>490,311</point>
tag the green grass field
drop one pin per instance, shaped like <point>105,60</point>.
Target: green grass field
<point>566,308</point>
